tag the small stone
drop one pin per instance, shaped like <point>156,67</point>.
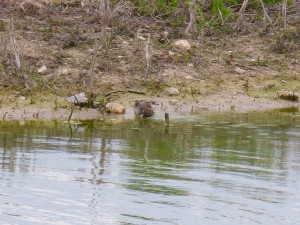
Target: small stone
<point>190,65</point>
<point>183,44</point>
<point>22,98</point>
<point>141,38</point>
<point>65,71</point>
<point>114,107</point>
<point>189,77</point>
<point>171,53</point>
<point>43,69</point>
<point>173,91</point>
<point>239,70</point>
<point>294,61</point>
<point>283,81</point>
<point>173,102</point>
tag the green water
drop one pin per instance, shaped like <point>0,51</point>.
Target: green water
<point>203,169</point>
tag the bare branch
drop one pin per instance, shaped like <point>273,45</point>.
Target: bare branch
<point>147,57</point>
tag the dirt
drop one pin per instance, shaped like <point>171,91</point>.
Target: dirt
<point>242,72</point>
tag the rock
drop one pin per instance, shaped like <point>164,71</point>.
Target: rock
<point>190,65</point>
<point>183,44</point>
<point>43,69</point>
<point>65,71</point>
<point>173,91</point>
<point>239,70</point>
<point>173,102</point>
<point>171,53</point>
<point>141,38</point>
<point>189,77</point>
<point>22,98</point>
<point>80,99</point>
<point>114,107</point>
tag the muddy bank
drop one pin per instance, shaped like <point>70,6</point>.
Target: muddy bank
<point>223,102</point>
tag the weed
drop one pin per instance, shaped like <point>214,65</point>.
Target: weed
<point>262,61</point>
<point>271,88</point>
<point>2,26</point>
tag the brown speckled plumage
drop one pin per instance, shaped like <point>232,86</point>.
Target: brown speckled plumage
<point>143,108</point>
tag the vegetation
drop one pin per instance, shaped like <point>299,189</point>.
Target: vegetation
<point>99,46</point>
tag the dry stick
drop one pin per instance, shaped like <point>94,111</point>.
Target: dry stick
<point>16,53</point>
<point>95,52</point>
<point>267,16</point>
<point>136,44</point>
<point>284,5</point>
<point>114,92</point>
<point>4,116</point>
<point>14,45</point>
<point>70,115</point>
<point>242,11</point>
<point>147,56</point>
<point>105,15</point>
<point>192,24</point>
<point>5,57</point>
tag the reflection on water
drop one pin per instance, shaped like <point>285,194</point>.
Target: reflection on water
<point>205,169</point>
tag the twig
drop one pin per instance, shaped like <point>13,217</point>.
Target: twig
<point>14,45</point>
<point>284,6</point>
<point>248,67</point>
<point>70,115</point>
<point>16,53</point>
<point>242,11</point>
<point>114,92</point>
<point>147,57</point>
<point>192,24</point>
<point>3,118</point>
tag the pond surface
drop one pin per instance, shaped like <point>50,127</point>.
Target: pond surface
<point>203,169</point>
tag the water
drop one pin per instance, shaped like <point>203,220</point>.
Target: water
<point>203,169</point>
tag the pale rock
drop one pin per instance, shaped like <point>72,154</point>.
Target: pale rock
<point>65,71</point>
<point>173,91</point>
<point>43,69</point>
<point>189,77</point>
<point>78,98</point>
<point>239,70</point>
<point>171,53</point>
<point>22,98</point>
<point>114,107</point>
<point>173,102</point>
<point>183,44</point>
<point>294,61</point>
<point>141,38</point>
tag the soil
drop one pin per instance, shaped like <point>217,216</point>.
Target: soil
<point>235,71</point>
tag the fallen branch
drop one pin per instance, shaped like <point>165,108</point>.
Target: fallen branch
<point>147,57</point>
<point>16,53</point>
<point>248,67</point>
<point>114,92</point>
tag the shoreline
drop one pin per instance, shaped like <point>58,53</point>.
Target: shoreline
<point>217,103</point>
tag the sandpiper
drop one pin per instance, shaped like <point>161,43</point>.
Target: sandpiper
<point>143,108</point>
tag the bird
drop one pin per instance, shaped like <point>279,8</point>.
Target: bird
<point>143,108</point>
